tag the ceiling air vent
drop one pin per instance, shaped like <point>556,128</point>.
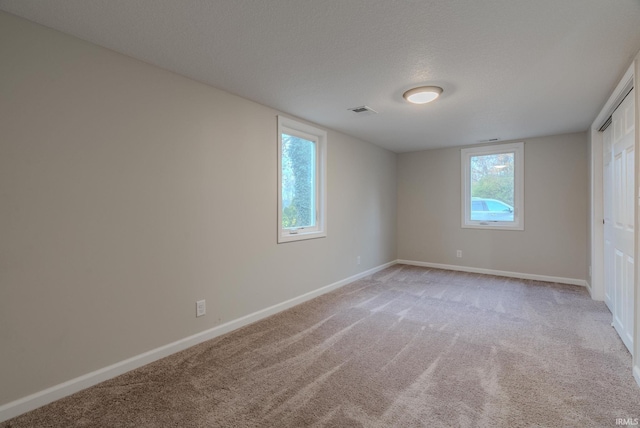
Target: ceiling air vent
<point>363,111</point>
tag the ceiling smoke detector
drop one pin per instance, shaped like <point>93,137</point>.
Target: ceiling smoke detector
<point>363,111</point>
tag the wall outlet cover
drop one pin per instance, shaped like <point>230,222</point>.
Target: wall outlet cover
<point>201,308</point>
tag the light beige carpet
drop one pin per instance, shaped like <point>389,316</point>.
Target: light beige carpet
<point>407,347</point>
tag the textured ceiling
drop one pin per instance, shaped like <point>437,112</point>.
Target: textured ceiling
<point>509,68</point>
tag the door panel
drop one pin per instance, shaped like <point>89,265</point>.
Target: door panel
<point>628,311</point>
<point>609,289</point>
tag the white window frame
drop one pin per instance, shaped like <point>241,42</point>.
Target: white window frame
<point>293,127</point>
<point>466,154</point>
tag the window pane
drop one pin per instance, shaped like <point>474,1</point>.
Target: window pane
<point>298,182</point>
<point>492,182</point>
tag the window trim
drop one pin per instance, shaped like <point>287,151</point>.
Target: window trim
<point>466,154</point>
<point>293,127</point>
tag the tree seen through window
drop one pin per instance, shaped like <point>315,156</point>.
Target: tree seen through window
<point>298,186</point>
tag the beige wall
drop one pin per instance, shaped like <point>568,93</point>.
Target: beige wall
<point>128,193</point>
<point>554,242</point>
<point>595,227</point>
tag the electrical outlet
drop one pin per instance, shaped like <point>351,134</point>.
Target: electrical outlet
<point>201,308</point>
<point>459,254</point>
<point>358,260</point>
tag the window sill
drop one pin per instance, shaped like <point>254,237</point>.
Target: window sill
<point>300,236</point>
<point>489,226</point>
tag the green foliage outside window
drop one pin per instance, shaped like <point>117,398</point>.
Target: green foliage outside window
<point>298,182</point>
<point>492,177</point>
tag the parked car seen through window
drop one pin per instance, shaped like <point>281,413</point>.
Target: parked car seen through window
<point>490,210</point>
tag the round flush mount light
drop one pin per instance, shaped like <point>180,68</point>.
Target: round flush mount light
<point>422,94</point>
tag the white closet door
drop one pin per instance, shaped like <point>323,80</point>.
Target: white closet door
<point>621,228</point>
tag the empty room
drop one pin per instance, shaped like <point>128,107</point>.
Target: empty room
<point>332,213</point>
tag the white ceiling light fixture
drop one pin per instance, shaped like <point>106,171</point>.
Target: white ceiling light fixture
<point>422,94</point>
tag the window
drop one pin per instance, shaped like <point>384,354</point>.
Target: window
<point>493,187</point>
<point>301,181</point>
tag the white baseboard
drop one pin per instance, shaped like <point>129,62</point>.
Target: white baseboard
<point>41,398</point>
<point>589,289</point>
<point>561,280</point>
<point>636,374</point>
